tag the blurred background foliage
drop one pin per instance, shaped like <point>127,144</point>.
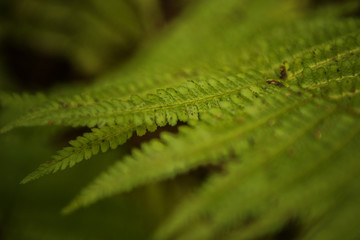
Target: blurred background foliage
<point>45,46</point>
<point>78,40</point>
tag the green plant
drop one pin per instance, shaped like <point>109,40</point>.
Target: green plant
<point>270,92</point>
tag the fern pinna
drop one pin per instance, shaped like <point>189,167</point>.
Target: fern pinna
<point>273,101</point>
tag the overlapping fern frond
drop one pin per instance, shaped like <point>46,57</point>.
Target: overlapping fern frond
<point>276,103</point>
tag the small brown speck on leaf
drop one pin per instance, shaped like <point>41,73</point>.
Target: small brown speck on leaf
<point>283,74</point>
<point>275,83</point>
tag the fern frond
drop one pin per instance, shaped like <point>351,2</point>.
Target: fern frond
<point>102,107</point>
<point>167,106</point>
<point>83,148</point>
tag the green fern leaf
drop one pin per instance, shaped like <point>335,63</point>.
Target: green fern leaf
<point>160,161</point>
<point>275,103</point>
<point>84,147</point>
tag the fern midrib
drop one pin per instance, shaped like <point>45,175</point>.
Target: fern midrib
<point>345,94</point>
<point>172,106</point>
<point>325,62</point>
<point>339,79</point>
<point>307,50</point>
<point>137,110</point>
<point>192,101</point>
